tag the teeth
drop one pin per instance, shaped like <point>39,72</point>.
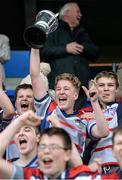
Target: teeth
<point>46,159</point>
<point>62,99</point>
<point>24,105</point>
<point>22,141</point>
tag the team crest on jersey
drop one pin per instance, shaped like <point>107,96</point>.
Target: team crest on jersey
<point>79,124</point>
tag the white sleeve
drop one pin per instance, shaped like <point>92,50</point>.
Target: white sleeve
<point>17,172</point>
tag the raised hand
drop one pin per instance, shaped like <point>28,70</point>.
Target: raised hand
<point>30,118</point>
<point>96,166</point>
<point>54,120</point>
<point>92,92</point>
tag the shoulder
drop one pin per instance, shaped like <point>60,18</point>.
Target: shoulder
<point>74,172</point>
<point>113,175</point>
<point>52,106</point>
<point>3,37</point>
<point>30,173</point>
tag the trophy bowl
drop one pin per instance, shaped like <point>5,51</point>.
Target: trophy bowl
<point>36,34</point>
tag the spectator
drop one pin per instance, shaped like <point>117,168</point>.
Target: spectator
<point>23,101</point>
<point>107,83</point>
<point>119,75</point>
<point>117,147</point>
<point>66,92</point>
<point>69,49</point>
<point>4,52</point>
<point>27,139</point>
<point>6,107</point>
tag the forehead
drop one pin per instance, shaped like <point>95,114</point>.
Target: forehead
<point>106,80</point>
<point>64,83</point>
<point>25,91</point>
<point>75,7</point>
<point>118,137</point>
<point>54,139</point>
<point>27,127</point>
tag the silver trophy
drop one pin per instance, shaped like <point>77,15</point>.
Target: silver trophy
<point>45,23</point>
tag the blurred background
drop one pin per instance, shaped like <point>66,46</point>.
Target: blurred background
<point>102,18</point>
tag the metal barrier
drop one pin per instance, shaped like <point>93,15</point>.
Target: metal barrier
<point>112,65</point>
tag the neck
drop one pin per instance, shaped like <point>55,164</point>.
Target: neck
<point>120,165</point>
<point>70,111</point>
<point>59,175</point>
<point>26,158</point>
<point>104,105</point>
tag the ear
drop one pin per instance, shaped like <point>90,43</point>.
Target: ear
<point>15,105</point>
<point>38,138</point>
<point>67,155</point>
<point>117,90</point>
<point>75,95</point>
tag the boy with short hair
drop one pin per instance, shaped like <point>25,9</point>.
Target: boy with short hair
<point>107,85</point>
<point>66,93</point>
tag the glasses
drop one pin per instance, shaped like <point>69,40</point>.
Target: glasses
<point>51,147</point>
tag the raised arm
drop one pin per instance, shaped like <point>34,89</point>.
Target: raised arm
<point>5,103</point>
<point>39,87</point>
<point>29,118</point>
<point>101,128</point>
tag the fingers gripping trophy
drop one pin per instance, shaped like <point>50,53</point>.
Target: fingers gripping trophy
<point>45,23</point>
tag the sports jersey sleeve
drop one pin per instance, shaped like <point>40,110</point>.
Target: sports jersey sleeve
<point>42,105</point>
<point>4,122</point>
<point>90,125</point>
<point>18,172</point>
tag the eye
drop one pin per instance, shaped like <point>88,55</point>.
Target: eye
<point>58,89</point>
<point>27,129</point>
<point>17,132</point>
<point>42,146</point>
<point>111,85</point>
<point>20,96</point>
<point>100,85</point>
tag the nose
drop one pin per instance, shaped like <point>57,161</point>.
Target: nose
<point>62,91</point>
<point>24,97</point>
<point>46,150</point>
<point>21,132</point>
<point>106,87</point>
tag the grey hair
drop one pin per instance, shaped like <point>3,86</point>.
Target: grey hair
<point>64,8</point>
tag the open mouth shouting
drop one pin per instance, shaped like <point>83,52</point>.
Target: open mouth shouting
<point>24,105</point>
<point>62,100</point>
<point>22,143</point>
<point>47,161</point>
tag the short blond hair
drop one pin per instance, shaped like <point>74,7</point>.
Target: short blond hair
<point>70,77</point>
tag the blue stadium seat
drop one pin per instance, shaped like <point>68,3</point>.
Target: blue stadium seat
<point>18,65</point>
<point>16,68</point>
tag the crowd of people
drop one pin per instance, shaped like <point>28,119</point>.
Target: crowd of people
<point>49,138</point>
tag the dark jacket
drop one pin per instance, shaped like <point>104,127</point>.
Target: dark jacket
<point>54,52</point>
